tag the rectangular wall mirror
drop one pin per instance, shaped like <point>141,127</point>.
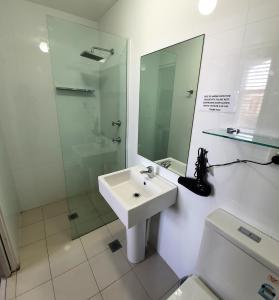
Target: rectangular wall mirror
<point>168,88</point>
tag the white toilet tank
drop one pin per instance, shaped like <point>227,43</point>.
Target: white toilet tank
<point>237,261</point>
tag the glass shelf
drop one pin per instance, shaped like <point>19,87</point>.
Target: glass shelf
<point>261,140</point>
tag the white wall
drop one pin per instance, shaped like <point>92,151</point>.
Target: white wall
<point>239,36</point>
<point>27,102</point>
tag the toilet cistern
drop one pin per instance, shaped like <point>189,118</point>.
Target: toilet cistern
<point>150,171</point>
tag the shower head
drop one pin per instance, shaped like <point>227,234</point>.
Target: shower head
<point>91,55</point>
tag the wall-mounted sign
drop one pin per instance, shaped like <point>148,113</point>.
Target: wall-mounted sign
<point>218,102</point>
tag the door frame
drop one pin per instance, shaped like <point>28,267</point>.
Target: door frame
<point>8,259</point>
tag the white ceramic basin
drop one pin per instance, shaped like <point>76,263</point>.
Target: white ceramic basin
<point>135,197</point>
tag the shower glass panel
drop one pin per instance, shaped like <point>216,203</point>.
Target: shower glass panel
<point>90,97</point>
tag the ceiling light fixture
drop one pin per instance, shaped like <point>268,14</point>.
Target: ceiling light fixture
<point>206,7</point>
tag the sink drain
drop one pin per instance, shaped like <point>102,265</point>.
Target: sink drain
<point>136,195</point>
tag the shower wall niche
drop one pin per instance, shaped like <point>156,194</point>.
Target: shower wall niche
<point>90,95</point>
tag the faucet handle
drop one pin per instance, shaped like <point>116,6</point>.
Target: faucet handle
<point>116,140</point>
<point>116,123</point>
<point>150,169</point>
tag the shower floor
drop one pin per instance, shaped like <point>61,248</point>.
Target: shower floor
<point>92,212</point>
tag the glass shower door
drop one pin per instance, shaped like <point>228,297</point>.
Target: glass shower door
<point>91,109</point>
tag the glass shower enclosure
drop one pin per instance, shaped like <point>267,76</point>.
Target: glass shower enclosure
<point>89,73</point>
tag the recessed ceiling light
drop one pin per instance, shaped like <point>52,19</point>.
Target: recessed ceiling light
<point>44,47</point>
<point>206,7</point>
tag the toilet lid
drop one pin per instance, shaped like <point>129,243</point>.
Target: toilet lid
<point>193,289</point>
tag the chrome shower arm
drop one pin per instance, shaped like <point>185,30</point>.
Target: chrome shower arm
<point>111,51</point>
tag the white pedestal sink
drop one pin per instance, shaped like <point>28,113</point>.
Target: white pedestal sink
<point>135,197</point>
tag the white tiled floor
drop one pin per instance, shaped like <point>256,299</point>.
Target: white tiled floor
<point>54,267</point>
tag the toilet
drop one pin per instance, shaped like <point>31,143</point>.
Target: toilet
<point>236,262</point>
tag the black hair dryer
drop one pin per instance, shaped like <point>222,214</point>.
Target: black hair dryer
<point>199,184</point>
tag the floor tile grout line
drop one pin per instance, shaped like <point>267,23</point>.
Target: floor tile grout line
<point>28,245</point>
<point>64,272</point>
<point>49,265</point>
<point>141,284</point>
<point>43,219</point>
<point>117,278</point>
<point>124,274</point>
<point>146,289</point>
<point>90,269</point>
<point>88,259</point>
<point>62,214</point>
<point>26,225</point>
<point>47,258</point>
<point>5,291</point>
<point>16,284</point>
<point>94,277</point>
<point>46,236</point>
<point>98,252</point>
<point>29,290</point>
<point>45,239</point>
<point>53,203</point>
<point>83,247</point>
<point>42,206</point>
<point>42,210</point>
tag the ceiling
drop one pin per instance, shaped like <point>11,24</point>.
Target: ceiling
<point>89,9</point>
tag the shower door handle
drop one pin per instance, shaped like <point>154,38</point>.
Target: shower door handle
<point>116,123</point>
<point>117,140</point>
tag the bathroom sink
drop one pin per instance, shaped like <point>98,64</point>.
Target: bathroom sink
<point>135,197</point>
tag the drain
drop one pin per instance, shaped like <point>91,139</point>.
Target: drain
<point>73,216</point>
<point>115,245</point>
<point>136,195</point>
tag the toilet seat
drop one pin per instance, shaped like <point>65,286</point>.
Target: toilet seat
<point>193,289</point>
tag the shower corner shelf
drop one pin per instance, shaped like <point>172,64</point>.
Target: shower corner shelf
<point>251,138</point>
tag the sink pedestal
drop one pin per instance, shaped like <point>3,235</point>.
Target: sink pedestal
<point>136,241</point>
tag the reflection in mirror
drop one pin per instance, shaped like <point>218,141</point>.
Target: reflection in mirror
<point>168,89</point>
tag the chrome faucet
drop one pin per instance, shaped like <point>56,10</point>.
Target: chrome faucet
<point>116,140</point>
<point>116,123</point>
<point>166,163</point>
<point>150,172</point>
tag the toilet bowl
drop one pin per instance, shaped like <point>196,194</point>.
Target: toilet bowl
<point>236,262</point>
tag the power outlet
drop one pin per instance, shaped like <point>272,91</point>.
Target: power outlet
<point>275,159</point>
<point>272,152</point>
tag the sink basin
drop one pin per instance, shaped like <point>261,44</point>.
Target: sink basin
<point>135,197</point>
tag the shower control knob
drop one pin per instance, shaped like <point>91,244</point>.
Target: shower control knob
<point>116,123</point>
<point>116,140</point>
